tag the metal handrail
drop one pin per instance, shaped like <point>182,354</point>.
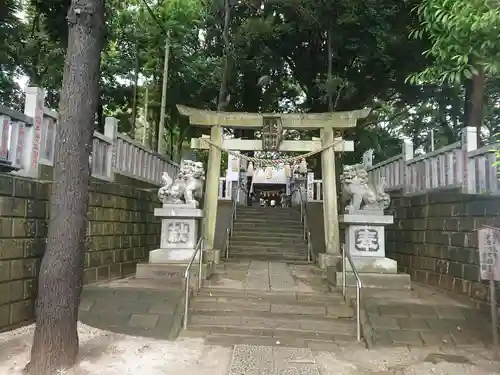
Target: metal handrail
<point>230,228</point>
<point>305,222</point>
<point>187,276</point>
<point>359,285</point>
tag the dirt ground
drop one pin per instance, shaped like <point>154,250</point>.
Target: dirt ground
<point>105,353</point>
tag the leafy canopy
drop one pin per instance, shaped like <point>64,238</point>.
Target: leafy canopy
<point>463,35</point>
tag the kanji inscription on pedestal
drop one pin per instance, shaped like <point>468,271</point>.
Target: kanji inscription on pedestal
<point>366,239</point>
<point>489,248</point>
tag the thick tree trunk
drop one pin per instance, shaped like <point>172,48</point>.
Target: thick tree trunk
<point>55,344</point>
<point>477,99</point>
<point>222,99</point>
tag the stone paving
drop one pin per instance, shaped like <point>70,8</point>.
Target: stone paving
<point>133,307</point>
<point>266,360</point>
<point>414,320</point>
<point>271,276</point>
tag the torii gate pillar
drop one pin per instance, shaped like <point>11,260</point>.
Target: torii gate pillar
<point>212,187</point>
<point>330,210</point>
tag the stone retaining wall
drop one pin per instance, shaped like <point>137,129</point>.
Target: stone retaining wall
<point>121,232</point>
<point>434,239</point>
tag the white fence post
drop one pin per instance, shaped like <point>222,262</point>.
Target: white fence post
<point>4,137</point>
<point>368,158</point>
<point>111,131</point>
<point>469,143</point>
<point>407,155</point>
<point>32,138</point>
<point>310,188</point>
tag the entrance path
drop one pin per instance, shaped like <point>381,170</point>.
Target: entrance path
<point>270,276</point>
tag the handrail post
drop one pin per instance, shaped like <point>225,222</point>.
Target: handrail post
<point>358,311</point>
<point>202,245</point>
<point>187,278</point>
<point>186,301</point>
<point>344,283</point>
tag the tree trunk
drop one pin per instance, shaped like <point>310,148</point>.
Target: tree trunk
<point>222,100</point>
<point>476,103</point>
<point>55,343</point>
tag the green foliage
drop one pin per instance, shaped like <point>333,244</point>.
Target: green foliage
<point>463,35</point>
<point>283,40</point>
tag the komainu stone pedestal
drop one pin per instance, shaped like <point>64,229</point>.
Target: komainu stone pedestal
<point>365,241</point>
<point>179,237</point>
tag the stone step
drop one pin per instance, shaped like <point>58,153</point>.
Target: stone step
<point>171,273</point>
<point>334,297</point>
<point>265,235</point>
<point>375,280</point>
<point>268,211</point>
<point>297,331</point>
<point>229,340</point>
<point>291,259</point>
<point>283,243</point>
<point>282,221</point>
<point>276,253</point>
<point>280,321</point>
<point>269,214</point>
<point>244,251</point>
<point>262,248</point>
<point>258,228</point>
<point>269,309</point>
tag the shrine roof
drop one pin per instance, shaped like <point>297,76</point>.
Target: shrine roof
<point>202,117</point>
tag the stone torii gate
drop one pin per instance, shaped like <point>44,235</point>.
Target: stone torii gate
<point>326,122</point>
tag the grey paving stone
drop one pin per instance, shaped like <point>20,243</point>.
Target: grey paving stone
<point>381,337</point>
<point>147,321</point>
<point>336,327</point>
<point>112,320</point>
<point>372,309</point>
<point>298,309</point>
<point>423,311</point>
<point>265,323</point>
<point>433,339</point>
<point>293,356</point>
<point>251,360</point>
<point>86,304</point>
<point>280,276</point>
<point>415,324</point>
<point>450,313</point>
<point>465,339</point>
<point>103,306</point>
<point>166,307</point>
<point>323,346</point>
<point>340,311</point>
<point>297,370</point>
<point>405,337</point>
<point>257,276</point>
<point>132,307</point>
<point>445,325</point>
<point>383,322</point>
<point>231,340</point>
<point>440,357</point>
<point>217,320</point>
<point>393,311</point>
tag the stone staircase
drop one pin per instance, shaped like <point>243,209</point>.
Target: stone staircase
<point>263,317</point>
<point>268,234</point>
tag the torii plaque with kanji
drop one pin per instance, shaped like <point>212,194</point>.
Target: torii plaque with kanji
<point>272,133</point>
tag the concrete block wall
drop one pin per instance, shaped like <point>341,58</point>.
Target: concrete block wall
<point>434,239</point>
<point>121,231</point>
